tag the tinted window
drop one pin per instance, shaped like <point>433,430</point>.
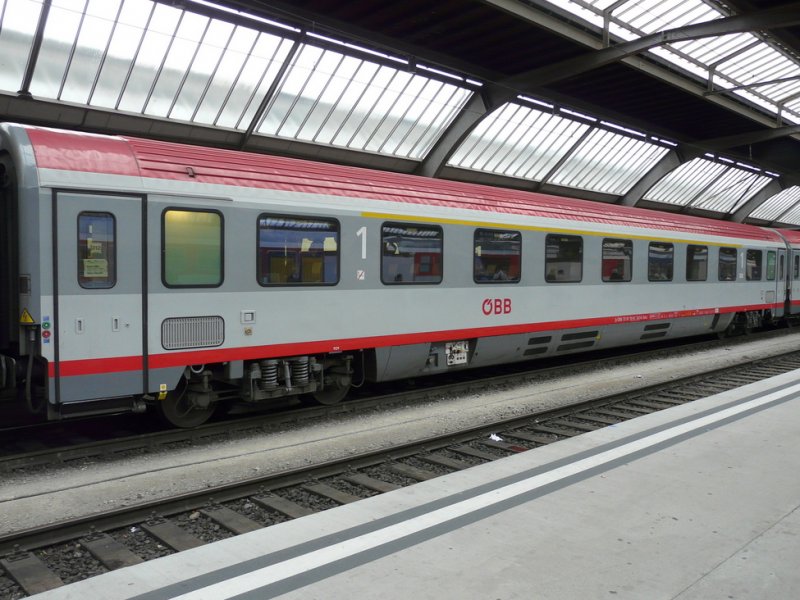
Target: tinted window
<point>192,255</point>
<point>660,258</point>
<point>753,265</point>
<point>497,256</point>
<point>563,258</point>
<point>411,253</point>
<point>696,263</point>
<point>617,260</point>
<point>771,255</point>
<point>727,264</point>
<point>97,253</point>
<point>796,267</point>
<point>297,251</point>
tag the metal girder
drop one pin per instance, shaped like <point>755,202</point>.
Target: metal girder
<point>36,47</point>
<point>782,16</point>
<point>532,81</point>
<point>268,97</point>
<point>764,194</point>
<point>477,107</point>
<point>754,137</point>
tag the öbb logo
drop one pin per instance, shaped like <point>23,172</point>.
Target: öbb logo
<point>496,306</point>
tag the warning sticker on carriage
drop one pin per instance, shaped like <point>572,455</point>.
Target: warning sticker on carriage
<point>26,317</point>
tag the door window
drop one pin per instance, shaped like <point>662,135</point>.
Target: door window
<point>97,254</point>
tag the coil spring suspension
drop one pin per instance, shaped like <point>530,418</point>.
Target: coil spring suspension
<point>269,374</point>
<point>300,370</point>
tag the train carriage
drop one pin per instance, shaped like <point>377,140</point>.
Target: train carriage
<point>141,273</point>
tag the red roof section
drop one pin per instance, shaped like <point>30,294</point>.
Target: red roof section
<point>792,236</point>
<point>56,149</point>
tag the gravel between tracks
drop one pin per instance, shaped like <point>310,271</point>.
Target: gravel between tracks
<point>41,496</point>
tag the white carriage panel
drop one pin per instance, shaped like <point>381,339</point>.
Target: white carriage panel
<point>98,326</point>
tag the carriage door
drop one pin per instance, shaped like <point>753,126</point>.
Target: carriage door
<point>794,281</point>
<point>98,310</point>
<point>783,285</point>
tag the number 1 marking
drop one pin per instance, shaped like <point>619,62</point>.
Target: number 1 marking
<point>362,233</point>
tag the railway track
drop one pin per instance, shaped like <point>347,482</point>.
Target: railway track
<point>47,443</point>
<point>50,556</point>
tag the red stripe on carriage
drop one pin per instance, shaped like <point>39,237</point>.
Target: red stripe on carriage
<point>179,358</point>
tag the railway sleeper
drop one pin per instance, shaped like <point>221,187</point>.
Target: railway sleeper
<point>109,551</point>
<point>30,573</point>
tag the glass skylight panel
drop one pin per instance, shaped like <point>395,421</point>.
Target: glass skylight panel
<point>657,15</point>
<point>327,97</point>
<point>791,216</point>
<point>682,185</point>
<point>60,36</point>
<point>18,19</point>
<point>150,58</point>
<point>711,50</point>
<point>730,191</point>
<point>608,162</point>
<point>778,206</point>
<point>98,24</point>
<point>707,185</point>
<point>518,141</point>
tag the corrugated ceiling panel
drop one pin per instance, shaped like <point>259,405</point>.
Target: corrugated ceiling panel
<point>608,162</point>
<point>518,141</point>
<point>707,185</point>
<point>328,97</point>
<point>779,206</point>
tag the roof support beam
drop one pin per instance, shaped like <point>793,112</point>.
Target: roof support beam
<point>754,137</point>
<point>782,16</point>
<point>765,193</point>
<point>476,108</point>
<point>36,47</point>
<point>268,97</point>
<point>531,81</point>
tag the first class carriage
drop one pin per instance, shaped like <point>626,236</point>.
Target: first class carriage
<point>140,273</point>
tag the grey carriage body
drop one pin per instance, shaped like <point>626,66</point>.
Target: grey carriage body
<point>135,268</point>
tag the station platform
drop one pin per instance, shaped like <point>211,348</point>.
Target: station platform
<point>695,502</point>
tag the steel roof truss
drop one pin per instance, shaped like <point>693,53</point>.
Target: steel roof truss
<point>270,94</point>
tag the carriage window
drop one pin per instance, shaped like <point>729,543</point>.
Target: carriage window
<point>411,253</point>
<point>497,256</point>
<point>753,265</point>
<point>796,268</point>
<point>617,260</point>
<point>696,263</point>
<point>297,251</point>
<point>563,258</point>
<point>781,267</point>
<point>771,265</point>
<point>659,261</point>
<point>192,248</point>
<point>97,253</point>
<point>727,264</point>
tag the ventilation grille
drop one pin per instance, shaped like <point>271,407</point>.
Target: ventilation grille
<point>182,333</point>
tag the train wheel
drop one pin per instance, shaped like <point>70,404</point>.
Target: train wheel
<point>335,390</point>
<point>178,410</point>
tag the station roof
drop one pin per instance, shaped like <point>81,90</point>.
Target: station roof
<point>688,106</point>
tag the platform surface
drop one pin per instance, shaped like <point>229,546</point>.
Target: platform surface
<point>695,502</point>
